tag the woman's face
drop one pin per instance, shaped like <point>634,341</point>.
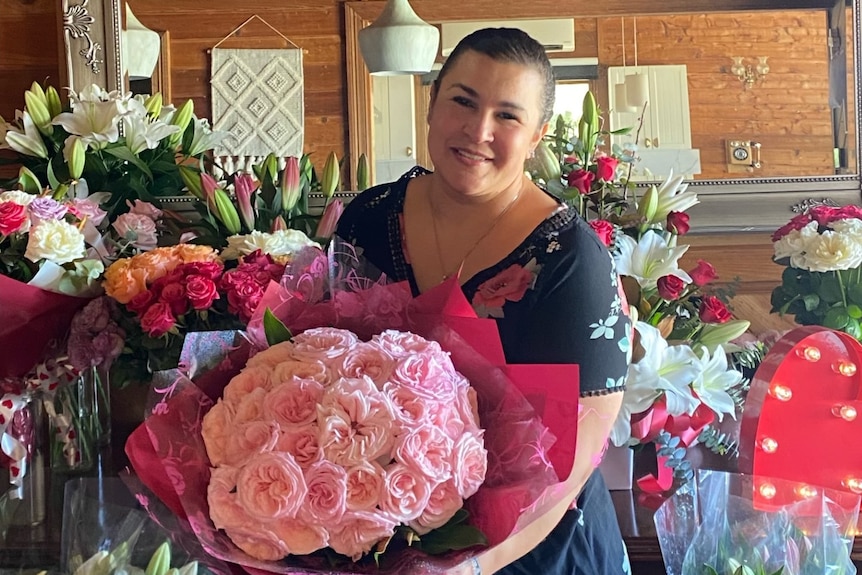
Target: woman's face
<point>483,123</point>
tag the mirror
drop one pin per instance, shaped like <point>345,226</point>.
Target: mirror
<point>732,199</point>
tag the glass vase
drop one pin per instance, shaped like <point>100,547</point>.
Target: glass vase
<point>79,422</point>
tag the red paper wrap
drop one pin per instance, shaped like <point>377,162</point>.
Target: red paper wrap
<point>529,412</point>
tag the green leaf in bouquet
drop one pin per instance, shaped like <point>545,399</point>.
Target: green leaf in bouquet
<point>275,330</point>
<point>454,535</point>
<point>811,301</point>
<point>830,289</point>
<point>854,311</point>
<point>124,153</point>
<point>853,328</point>
<point>854,293</point>
<point>160,562</point>
<point>836,318</point>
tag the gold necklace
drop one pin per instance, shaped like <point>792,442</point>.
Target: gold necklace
<point>447,275</point>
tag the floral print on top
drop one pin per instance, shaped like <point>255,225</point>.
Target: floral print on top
<point>556,297</point>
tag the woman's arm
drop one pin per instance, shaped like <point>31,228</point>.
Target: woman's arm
<point>594,425</point>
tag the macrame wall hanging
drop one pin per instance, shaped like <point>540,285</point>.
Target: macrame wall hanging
<point>257,96</point>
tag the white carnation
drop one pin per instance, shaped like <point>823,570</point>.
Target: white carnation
<point>833,251</point>
<point>277,243</point>
<point>56,241</point>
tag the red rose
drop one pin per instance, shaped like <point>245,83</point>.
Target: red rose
<point>158,320</point>
<point>201,291</point>
<point>174,294</point>
<point>141,302</point>
<point>12,217</point>
<point>606,168</point>
<point>605,230</point>
<point>703,273</point>
<point>582,180</point>
<point>849,212</point>
<point>796,223</point>
<point>211,270</point>
<point>670,287</point>
<point>713,310</point>
<point>677,222</point>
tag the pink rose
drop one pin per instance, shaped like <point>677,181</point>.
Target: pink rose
<point>356,422</point>
<point>158,320</point>
<point>508,285</point>
<point>244,299</point>
<point>359,531</point>
<point>326,501</point>
<point>364,486</point>
<point>174,294</point>
<point>367,359</point>
<point>245,382</point>
<point>143,208</point>
<point>207,269</point>
<point>258,542</point>
<point>411,409</point>
<point>294,402</point>
<point>606,168</point>
<point>141,302</point>
<point>225,510</point>
<point>471,464</point>
<point>405,492</point>
<point>322,343</point>
<point>201,292</point>
<point>83,207</point>
<point>605,230</point>
<point>250,407</point>
<point>248,440</point>
<point>398,343</point>
<point>288,370</point>
<point>303,444</point>
<point>428,450</point>
<point>581,180</point>
<point>271,486</point>
<point>216,429</point>
<point>300,537</point>
<point>442,505</point>
<point>139,230</point>
<point>13,218</point>
<point>468,406</point>
<point>427,376</point>
<point>447,418</point>
<point>271,357</point>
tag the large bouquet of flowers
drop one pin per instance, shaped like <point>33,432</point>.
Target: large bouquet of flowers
<point>338,437</point>
<point>679,380</point>
<point>81,146</point>
<point>822,283</point>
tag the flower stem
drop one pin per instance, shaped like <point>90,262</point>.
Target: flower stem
<point>843,289</point>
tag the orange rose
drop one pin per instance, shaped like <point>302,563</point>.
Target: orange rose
<point>123,281</point>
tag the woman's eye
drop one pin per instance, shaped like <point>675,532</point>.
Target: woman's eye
<point>463,101</point>
<point>508,116</point>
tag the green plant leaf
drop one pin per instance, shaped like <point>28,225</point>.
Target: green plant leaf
<point>836,318</point>
<point>811,300</point>
<point>854,292</point>
<point>275,330</point>
<point>124,153</point>
<point>830,289</point>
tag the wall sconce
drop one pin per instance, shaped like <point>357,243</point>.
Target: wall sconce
<point>749,74</point>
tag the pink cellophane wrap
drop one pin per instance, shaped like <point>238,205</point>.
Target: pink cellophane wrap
<point>30,317</point>
<point>529,412</point>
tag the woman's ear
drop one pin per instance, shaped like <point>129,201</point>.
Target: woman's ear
<point>432,98</point>
<point>537,137</point>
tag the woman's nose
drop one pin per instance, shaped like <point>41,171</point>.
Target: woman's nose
<point>479,127</point>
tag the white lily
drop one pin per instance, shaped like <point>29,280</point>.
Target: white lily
<point>204,137</point>
<point>141,134</point>
<point>649,259</point>
<point>714,380</point>
<point>673,197</point>
<point>97,123</point>
<point>663,370</point>
<point>29,142</point>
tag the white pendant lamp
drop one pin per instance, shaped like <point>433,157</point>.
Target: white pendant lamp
<point>399,42</point>
<point>621,104</point>
<point>637,84</point>
<point>141,48</point>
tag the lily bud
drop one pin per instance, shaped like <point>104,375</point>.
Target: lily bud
<point>209,186</point>
<point>160,562</point>
<point>270,166</point>
<point>37,106</point>
<point>290,190</point>
<point>331,176</point>
<point>153,104</point>
<point>278,224</point>
<point>588,127</point>
<point>181,118</point>
<point>362,173</point>
<point>28,181</point>
<point>226,211</point>
<point>60,192</point>
<point>245,186</point>
<point>190,568</point>
<point>77,158</point>
<point>545,163</point>
<point>55,106</point>
<point>192,180</point>
<point>715,334</point>
<point>329,220</point>
<point>648,204</point>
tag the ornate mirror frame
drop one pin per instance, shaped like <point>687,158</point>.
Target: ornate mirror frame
<point>731,205</point>
<point>91,43</point>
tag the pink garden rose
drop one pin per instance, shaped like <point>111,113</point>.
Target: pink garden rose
<point>258,542</point>
<point>411,409</point>
<point>471,464</point>
<point>302,443</point>
<point>299,537</point>
<point>364,486</point>
<point>250,406</point>
<point>293,403</point>
<point>367,359</point>
<point>359,531</point>
<point>291,369</point>
<point>271,486</point>
<point>399,343</point>
<point>216,429</point>
<point>427,376</point>
<point>320,344</point>
<point>225,510</point>
<point>405,492</point>
<point>428,450</point>
<point>248,440</point>
<point>245,382</point>
<point>271,357</point>
<point>443,502</point>
<point>326,501</point>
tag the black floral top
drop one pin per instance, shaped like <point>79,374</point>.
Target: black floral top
<point>556,297</point>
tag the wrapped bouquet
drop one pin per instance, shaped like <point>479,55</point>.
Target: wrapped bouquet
<point>360,434</point>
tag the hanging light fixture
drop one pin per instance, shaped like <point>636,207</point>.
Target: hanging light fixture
<point>637,84</point>
<point>141,48</point>
<point>621,104</point>
<point>399,42</point>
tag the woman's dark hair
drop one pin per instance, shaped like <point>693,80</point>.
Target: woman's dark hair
<point>508,45</point>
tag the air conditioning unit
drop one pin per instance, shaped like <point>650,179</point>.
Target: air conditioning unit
<point>556,35</point>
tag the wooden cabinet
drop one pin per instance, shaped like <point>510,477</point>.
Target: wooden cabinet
<point>394,131</point>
